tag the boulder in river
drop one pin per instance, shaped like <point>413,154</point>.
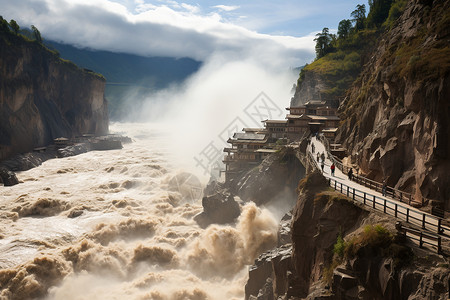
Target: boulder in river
<point>8,178</point>
<point>219,208</point>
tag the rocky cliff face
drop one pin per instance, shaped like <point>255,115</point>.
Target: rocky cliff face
<point>396,116</point>
<point>273,181</point>
<point>43,97</point>
<point>310,87</point>
<point>381,267</point>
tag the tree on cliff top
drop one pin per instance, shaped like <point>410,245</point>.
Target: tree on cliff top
<point>37,34</point>
<point>379,11</point>
<point>359,16</point>
<point>324,43</point>
<point>344,28</point>
<point>14,26</point>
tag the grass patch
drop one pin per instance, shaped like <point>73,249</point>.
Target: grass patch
<point>376,237</point>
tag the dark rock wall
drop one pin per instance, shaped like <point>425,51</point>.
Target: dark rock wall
<point>311,88</point>
<point>317,221</point>
<point>396,116</point>
<point>274,180</point>
<point>373,273</point>
<point>43,97</point>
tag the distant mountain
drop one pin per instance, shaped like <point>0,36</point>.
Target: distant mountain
<point>128,74</point>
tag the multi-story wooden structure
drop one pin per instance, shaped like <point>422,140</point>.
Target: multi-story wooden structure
<point>246,151</point>
<point>314,117</point>
<point>276,129</point>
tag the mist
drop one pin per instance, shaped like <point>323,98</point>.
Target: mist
<point>224,96</point>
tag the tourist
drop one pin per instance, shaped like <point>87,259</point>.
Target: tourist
<point>350,174</point>
<point>383,189</point>
<point>332,168</point>
<point>322,156</point>
<point>318,157</point>
<point>322,164</point>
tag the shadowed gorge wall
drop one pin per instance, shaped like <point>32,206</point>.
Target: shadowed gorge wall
<point>43,97</point>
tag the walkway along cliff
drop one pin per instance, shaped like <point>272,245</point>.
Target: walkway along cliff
<point>396,116</point>
<point>340,248</point>
<point>43,97</point>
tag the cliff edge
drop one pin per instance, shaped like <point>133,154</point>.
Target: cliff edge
<point>43,97</point>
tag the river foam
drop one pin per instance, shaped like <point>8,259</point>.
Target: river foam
<point>119,225</point>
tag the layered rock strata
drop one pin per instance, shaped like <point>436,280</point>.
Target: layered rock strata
<point>43,97</point>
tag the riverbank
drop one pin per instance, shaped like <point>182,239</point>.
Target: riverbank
<point>61,148</point>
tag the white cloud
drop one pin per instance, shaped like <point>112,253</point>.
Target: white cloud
<point>166,29</point>
<point>190,8</point>
<point>227,7</point>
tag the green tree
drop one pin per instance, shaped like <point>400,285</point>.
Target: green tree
<point>359,16</point>
<point>14,26</point>
<point>4,24</point>
<point>324,43</point>
<point>344,28</point>
<point>379,11</point>
<point>37,34</point>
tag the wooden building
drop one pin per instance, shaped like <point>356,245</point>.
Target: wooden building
<point>246,151</point>
<point>276,129</point>
<point>313,117</point>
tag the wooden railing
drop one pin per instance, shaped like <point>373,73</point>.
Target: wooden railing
<point>421,237</point>
<point>391,192</point>
<point>416,217</point>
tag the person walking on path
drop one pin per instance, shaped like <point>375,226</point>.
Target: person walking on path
<point>350,174</point>
<point>322,164</point>
<point>332,168</point>
<point>383,189</point>
<point>322,156</point>
<point>312,147</point>
<point>318,157</point>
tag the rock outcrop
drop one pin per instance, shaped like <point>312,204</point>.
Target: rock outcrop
<point>7,177</point>
<point>318,219</point>
<point>275,179</point>
<point>43,97</point>
<point>310,87</point>
<point>396,116</point>
<point>219,208</point>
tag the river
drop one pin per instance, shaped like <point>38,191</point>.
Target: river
<point>119,225</point>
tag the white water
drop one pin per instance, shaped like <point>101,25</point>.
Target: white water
<point>135,237</point>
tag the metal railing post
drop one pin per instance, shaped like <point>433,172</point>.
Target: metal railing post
<point>384,206</point>
<point>396,206</point>
<point>373,202</point>
<point>353,193</point>
<point>364,198</point>
<point>407,215</point>
<point>423,221</point>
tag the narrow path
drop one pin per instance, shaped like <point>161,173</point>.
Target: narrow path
<point>416,217</point>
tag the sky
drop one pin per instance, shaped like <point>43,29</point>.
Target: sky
<point>278,32</point>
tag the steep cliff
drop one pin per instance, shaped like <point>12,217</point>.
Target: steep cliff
<point>341,250</point>
<point>395,120</point>
<point>43,97</point>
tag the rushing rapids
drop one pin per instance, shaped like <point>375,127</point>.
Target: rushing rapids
<point>119,225</point>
